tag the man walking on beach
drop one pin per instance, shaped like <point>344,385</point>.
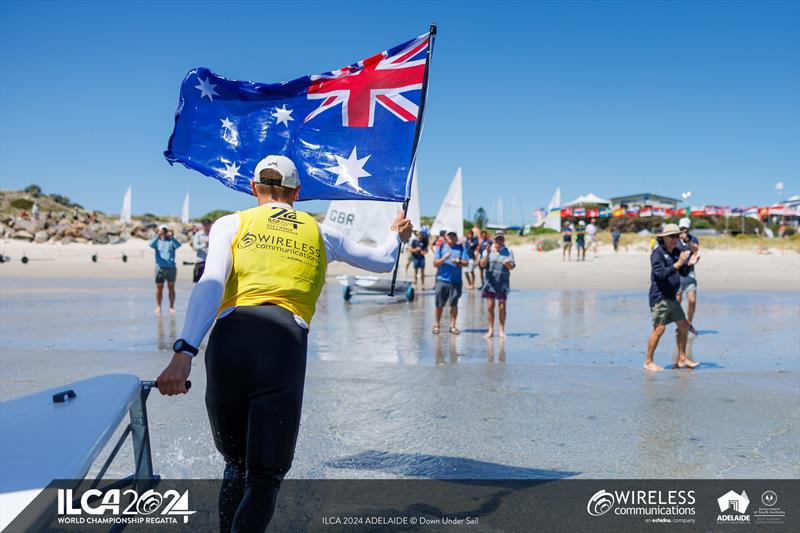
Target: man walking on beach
<point>261,300</point>
<point>499,262</point>
<point>449,258</point>
<point>165,245</point>
<point>689,242</point>
<point>200,246</point>
<point>566,233</point>
<point>667,264</point>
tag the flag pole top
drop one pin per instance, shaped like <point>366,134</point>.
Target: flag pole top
<point>433,29</point>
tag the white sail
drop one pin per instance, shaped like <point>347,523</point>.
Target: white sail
<point>125,215</point>
<point>185,210</point>
<point>451,214</point>
<point>553,219</point>
<point>413,205</point>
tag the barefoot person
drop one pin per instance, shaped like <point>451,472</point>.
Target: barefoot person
<point>580,240</point>
<point>264,272</point>
<point>689,281</point>
<point>566,234</point>
<point>449,258</point>
<point>471,243</point>
<point>165,245</point>
<point>667,264</point>
<point>499,262</point>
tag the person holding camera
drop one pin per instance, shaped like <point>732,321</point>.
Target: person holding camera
<point>165,245</point>
<point>667,264</point>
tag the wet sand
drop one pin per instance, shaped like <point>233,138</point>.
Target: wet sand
<point>562,396</point>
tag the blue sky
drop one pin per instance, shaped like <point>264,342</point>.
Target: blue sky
<point>605,97</point>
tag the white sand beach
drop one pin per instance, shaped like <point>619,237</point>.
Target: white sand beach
<point>719,269</point>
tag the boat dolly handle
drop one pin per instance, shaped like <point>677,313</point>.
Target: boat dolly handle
<point>154,384</point>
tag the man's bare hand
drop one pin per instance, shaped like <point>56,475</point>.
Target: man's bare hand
<point>172,380</point>
<point>684,256</point>
<point>403,226</point>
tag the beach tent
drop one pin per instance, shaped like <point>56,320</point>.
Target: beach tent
<point>589,199</point>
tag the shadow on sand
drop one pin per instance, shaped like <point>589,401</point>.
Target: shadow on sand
<point>441,467</point>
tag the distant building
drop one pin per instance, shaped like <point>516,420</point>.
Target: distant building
<point>644,199</point>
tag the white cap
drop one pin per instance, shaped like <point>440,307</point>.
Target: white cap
<point>163,227</point>
<point>581,223</point>
<point>283,165</point>
<point>685,223</point>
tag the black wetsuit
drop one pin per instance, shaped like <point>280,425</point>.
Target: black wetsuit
<point>255,367</point>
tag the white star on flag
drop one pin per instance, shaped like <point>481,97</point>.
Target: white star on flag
<point>206,89</point>
<point>283,115</point>
<point>231,134</point>
<point>230,172</point>
<point>350,169</point>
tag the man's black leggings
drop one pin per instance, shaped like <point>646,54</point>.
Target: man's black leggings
<point>255,367</point>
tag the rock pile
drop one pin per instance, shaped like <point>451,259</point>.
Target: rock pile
<point>94,231</point>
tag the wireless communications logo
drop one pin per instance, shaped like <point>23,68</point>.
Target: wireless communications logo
<point>654,506</point>
<point>600,503</point>
<point>116,506</point>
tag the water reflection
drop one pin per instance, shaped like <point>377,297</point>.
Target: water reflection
<point>166,338</point>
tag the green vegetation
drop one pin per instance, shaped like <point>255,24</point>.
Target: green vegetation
<point>22,203</point>
<point>480,218</point>
<point>215,214</point>
<point>33,190</point>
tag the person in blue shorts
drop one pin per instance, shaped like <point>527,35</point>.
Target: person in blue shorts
<point>165,245</point>
<point>449,258</point>
<point>418,247</point>
<point>566,233</point>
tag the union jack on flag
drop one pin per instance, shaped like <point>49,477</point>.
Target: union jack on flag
<point>351,132</point>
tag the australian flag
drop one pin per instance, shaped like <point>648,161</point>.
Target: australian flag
<point>350,131</point>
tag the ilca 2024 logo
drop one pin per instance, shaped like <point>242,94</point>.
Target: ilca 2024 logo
<point>117,506</point>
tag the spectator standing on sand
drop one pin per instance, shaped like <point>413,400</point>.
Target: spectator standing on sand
<point>580,240</point>
<point>567,238</point>
<point>165,245</point>
<point>591,234</point>
<point>483,243</point>
<point>449,258</point>
<point>688,242</point>
<point>615,235</point>
<point>418,247</point>
<point>200,247</point>
<point>35,211</point>
<point>471,243</point>
<point>667,264</point>
<point>499,262</point>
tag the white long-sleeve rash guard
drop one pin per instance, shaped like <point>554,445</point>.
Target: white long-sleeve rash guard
<point>207,294</point>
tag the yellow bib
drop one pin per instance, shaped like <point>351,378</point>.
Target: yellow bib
<point>278,257</point>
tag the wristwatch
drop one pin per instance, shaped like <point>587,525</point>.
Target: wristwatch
<point>183,346</point>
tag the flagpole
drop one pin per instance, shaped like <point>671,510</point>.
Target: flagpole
<point>417,132</point>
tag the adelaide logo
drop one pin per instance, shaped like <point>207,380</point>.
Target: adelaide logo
<point>600,503</point>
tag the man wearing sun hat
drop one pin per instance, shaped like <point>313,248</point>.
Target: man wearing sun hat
<point>667,264</point>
